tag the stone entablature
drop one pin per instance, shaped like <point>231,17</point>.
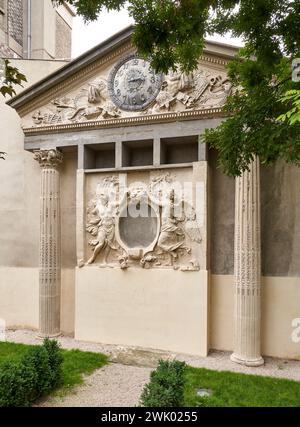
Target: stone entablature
<point>114,123</point>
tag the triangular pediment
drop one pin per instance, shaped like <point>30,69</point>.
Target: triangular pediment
<point>108,84</point>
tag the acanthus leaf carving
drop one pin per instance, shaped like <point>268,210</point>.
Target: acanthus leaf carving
<point>48,158</point>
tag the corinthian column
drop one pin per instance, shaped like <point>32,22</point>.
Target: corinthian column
<point>247,268</point>
<point>49,274</point>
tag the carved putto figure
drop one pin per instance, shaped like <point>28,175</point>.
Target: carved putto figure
<point>97,92</point>
<point>101,224</point>
<point>171,236</point>
<point>165,100</point>
<point>218,91</point>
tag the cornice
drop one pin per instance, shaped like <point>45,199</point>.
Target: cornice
<point>127,121</point>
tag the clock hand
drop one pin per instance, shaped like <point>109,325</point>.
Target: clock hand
<point>136,79</point>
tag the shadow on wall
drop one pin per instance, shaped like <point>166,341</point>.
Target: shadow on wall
<point>280,220</point>
<point>222,189</point>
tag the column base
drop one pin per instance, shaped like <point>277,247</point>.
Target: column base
<point>247,362</point>
<point>41,336</point>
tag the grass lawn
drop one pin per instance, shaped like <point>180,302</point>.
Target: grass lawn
<point>233,389</point>
<point>229,388</point>
<point>76,363</point>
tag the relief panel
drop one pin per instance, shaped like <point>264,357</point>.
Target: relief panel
<point>150,222</point>
<point>139,92</point>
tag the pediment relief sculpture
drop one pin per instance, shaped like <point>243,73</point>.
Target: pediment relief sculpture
<point>131,88</point>
<point>146,225</point>
<point>90,103</point>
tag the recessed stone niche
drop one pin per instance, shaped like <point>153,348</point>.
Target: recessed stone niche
<point>138,226</point>
<point>183,149</point>
<point>100,156</point>
<point>137,153</point>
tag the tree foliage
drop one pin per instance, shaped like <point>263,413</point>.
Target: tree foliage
<point>293,115</point>
<point>252,127</point>
<point>171,34</point>
<point>11,78</point>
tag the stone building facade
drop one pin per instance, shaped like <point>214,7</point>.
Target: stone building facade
<point>35,29</point>
<point>14,19</point>
<point>129,233</point>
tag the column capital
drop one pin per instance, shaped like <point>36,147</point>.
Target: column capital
<point>48,158</point>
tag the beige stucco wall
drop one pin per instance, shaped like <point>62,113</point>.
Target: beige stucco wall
<point>19,298</point>
<point>19,181</point>
<point>162,314</point>
<point>67,308</point>
<point>19,218</point>
<point>221,312</point>
<point>165,309</point>
<point>280,305</point>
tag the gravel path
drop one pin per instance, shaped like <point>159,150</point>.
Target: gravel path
<point>113,385</point>
<point>120,383</point>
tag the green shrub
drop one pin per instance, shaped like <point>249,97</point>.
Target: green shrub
<point>36,374</point>
<point>55,361</point>
<point>17,382</point>
<point>37,358</point>
<point>165,388</point>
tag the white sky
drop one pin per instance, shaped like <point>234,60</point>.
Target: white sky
<point>87,36</point>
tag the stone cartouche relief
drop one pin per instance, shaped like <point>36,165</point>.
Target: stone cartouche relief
<point>145,224</point>
<point>202,89</point>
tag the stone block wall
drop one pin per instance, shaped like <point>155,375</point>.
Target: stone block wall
<point>15,20</point>
<point>63,38</point>
<point>50,32</point>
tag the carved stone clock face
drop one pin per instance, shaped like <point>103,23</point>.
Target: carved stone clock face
<point>133,85</point>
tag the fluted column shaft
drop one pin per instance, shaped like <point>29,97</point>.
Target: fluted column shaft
<point>50,241</point>
<point>247,268</point>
